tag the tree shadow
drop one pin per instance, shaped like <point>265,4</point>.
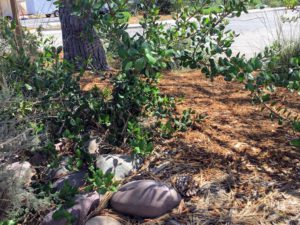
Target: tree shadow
<point>233,119</point>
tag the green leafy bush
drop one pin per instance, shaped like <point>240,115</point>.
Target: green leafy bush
<point>290,3</point>
<point>49,95</point>
<point>135,93</point>
<point>165,6</point>
<point>41,102</point>
<point>285,64</point>
<point>262,75</point>
<point>101,182</point>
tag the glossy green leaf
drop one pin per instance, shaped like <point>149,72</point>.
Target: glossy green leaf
<point>140,64</point>
<point>296,143</point>
<point>151,59</point>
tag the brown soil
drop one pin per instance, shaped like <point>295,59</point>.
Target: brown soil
<point>242,165</point>
<point>89,81</point>
<point>136,19</point>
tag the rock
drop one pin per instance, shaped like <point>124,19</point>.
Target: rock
<point>93,147</point>
<point>240,146</point>
<point>61,170</point>
<point>75,180</point>
<point>22,171</point>
<point>102,220</point>
<point>84,204</point>
<point>120,165</point>
<point>174,222</point>
<point>145,198</point>
<point>245,148</point>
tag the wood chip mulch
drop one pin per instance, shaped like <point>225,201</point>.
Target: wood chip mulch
<point>238,161</point>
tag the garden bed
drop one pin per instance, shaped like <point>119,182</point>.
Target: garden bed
<point>242,167</point>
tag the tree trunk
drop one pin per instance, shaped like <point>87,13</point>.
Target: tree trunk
<point>80,41</point>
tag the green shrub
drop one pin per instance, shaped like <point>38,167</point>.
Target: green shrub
<point>165,6</point>
<point>290,3</point>
<point>285,63</point>
<point>101,182</point>
<point>47,96</point>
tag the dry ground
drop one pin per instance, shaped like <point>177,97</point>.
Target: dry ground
<point>241,163</point>
<point>137,19</point>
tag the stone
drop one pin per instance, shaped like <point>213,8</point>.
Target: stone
<point>119,165</point>
<point>246,148</point>
<point>145,198</point>
<point>84,204</point>
<point>93,147</point>
<point>240,146</point>
<point>75,180</point>
<point>102,220</point>
<point>61,170</point>
<point>22,171</point>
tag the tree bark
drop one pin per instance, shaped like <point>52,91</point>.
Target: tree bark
<point>80,41</point>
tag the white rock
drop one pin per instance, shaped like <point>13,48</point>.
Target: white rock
<point>22,171</point>
<point>102,220</point>
<point>93,147</point>
<point>61,170</point>
<point>119,165</point>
